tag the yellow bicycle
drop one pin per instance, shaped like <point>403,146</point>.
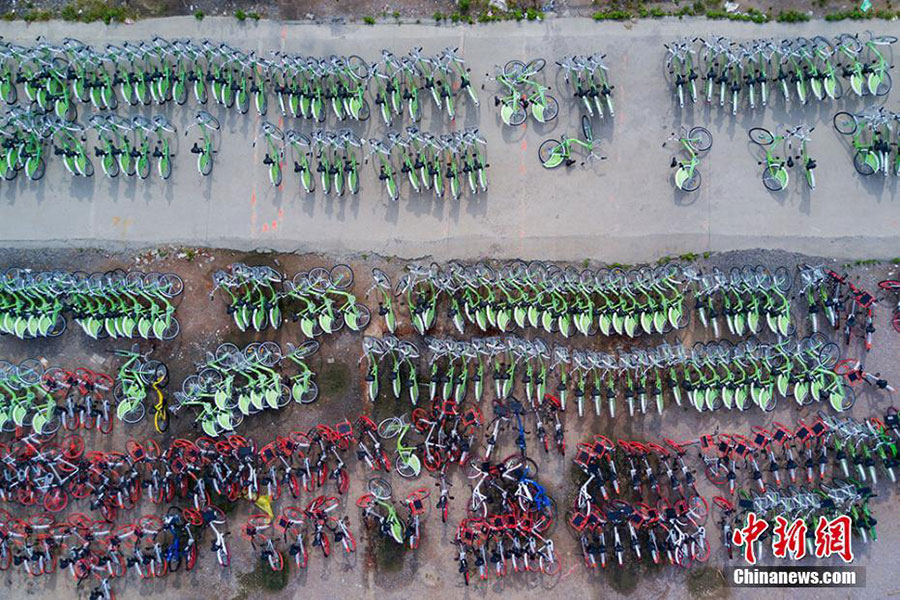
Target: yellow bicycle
<point>161,408</point>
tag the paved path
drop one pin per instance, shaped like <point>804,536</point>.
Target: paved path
<point>623,209</point>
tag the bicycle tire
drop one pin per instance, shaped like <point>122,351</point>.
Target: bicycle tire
<point>535,66</point>
<point>135,415</point>
<point>552,109</point>
<point>405,467</point>
<point>357,66</point>
<point>845,123</point>
<point>518,117</point>
<point>586,128</point>
<point>693,183</point>
<point>885,85</point>
<point>546,151</point>
<point>380,488</point>
<point>389,428</point>
<point>341,276</point>
<point>705,138</point>
<point>513,68</point>
<point>761,136</point>
<point>859,163</point>
<point>771,181</point>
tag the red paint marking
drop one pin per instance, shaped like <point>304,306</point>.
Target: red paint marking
<point>265,227</point>
<point>274,224</point>
<point>252,198</point>
<point>524,145</point>
<point>280,213</point>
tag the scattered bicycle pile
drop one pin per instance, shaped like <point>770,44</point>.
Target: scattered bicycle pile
<point>846,306</point>
<point>746,297</point>
<point>114,304</point>
<point>708,377</point>
<point>510,522</point>
<point>521,93</point>
<point>742,75</point>
<point>871,139</point>
<point>43,400</point>
<point>49,474</point>
<point>776,174</point>
<point>60,76</point>
<point>826,468</point>
<point>260,297</point>
<point>652,509</point>
<point>233,383</point>
<point>450,162</point>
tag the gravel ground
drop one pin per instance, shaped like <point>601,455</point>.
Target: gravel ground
<point>431,569</point>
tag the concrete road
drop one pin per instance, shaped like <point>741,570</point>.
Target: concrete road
<point>623,209</point>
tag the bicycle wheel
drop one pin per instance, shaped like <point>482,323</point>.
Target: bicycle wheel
<point>518,117</point>
<point>535,66</point>
<point>357,66</point>
<point>341,276</point>
<point>845,123</point>
<point>171,285</point>
<point>513,69</point>
<point>773,179</point>
<point>782,279</point>
<point>848,399</point>
<point>586,128</point>
<point>829,354</point>
<point>136,414</point>
<point>692,183</point>
<point>761,136</point>
<point>551,110</point>
<point>701,139</point>
<point>390,427</point>
<point>380,488</point>
<point>884,86</point>
<point>862,162</point>
<point>408,467</point>
<point>548,150</point>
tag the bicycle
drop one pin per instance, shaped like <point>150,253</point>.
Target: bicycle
<point>553,153</point>
<point>695,142</point>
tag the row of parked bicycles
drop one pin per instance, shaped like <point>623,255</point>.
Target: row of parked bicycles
<point>746,75</point>
<point>113,304</point>
<point>59,77</point>
<point>708,377</point>
<point>135,146</point>
<point>609,301</point>
<point>320,300</point>
<point>639,499</point>
<point>448,163</point>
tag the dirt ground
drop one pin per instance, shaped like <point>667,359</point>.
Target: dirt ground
<point>376,571</point>
<point>390,10</point>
